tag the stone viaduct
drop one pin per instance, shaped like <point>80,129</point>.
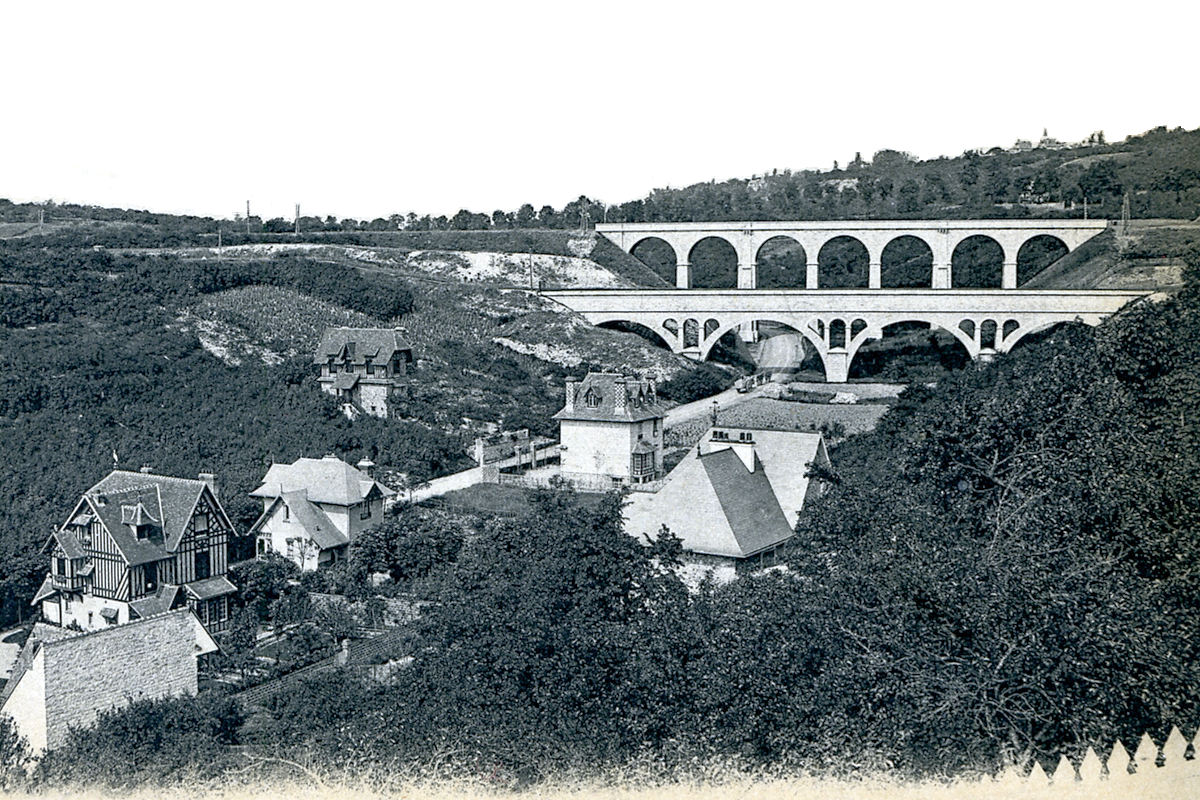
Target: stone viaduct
<point>940,236</point>
<point>836,322</point>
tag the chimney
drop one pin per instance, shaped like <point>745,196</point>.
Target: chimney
<point>210,479</point>
<point>366,465</point>
<point>652,390</point>
<point>740,442</point>
<point>145,470</point>
<point>571,383</point>
<point>620,395</point>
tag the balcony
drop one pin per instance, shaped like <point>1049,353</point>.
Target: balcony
<point>67,584</point>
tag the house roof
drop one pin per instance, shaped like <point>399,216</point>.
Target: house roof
<point>209,588</point>
<point>70,545</point>
<point>325,480</point>
<point>162,503</point>
<point>608,397</point>
<point>45,590</point>
<point>161,601</point>
<point>718,506</point>
<point>345,380</point>
<point>309,516</point>
<point>751,508</point>
<point>359,344</point>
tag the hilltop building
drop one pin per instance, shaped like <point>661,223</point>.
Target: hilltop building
<point>138,544</point>
<point>611,430</point>
<point>735,498</point>
<point>314,507</point>
<point>64,679</point>
<point>365,368</point>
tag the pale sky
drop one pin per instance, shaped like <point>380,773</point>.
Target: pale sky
<point>363,110</point>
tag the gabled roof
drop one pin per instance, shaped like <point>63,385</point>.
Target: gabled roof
<point>70,545</point>
<point>315,522</point>
<point>45,590</point>
<point>751,508</point>
<point>359,344</point>
<point>596,397</point>
<point>345,380</point>
<point>718,506</point>
<point>162,503</point>
<point>325,480</point>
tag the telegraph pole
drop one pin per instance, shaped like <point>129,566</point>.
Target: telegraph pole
<point>297,219</point>
<point>247,217</point>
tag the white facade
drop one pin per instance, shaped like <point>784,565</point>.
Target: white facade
<point>591,447</point>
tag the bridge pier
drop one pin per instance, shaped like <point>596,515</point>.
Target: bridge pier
<point>1009,277</point>
<point>811,271</point>
<point>837,365</point>
<point>747,275</point>
<point>875,275</point>
<point>941,276</point>
<point>683,275</point>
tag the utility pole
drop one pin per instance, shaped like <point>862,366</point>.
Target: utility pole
<point>297,219</point>
<point>247,217</point>
<point>1085,207</point>
<point>41,219</point>
<point>218,241</point>
<point>1125,213</point>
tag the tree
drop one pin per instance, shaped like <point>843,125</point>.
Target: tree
<point>1100,180</point>
<point>14,755</point>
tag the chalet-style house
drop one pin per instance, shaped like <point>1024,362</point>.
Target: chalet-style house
<point>734,498</point>
<point>611,430</point>
<point>314,507</point>
<point>64,679</point>
<point>365,368</point>
<point>138,544</point>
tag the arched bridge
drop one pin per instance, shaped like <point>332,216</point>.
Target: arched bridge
<point>838,321</point>
<point>940,237</point>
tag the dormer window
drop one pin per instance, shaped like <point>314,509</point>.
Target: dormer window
<point>591,398</point>
<point>370,367</point>
<point>332,367</point>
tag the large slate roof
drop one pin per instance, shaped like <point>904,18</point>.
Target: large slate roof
<point>324,480</point>
<point>377,344</point>
<point>602,388</point>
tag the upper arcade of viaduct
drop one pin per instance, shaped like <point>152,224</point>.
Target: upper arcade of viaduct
<point>940,236</point>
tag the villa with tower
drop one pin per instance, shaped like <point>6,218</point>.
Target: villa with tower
<point>366,369</point>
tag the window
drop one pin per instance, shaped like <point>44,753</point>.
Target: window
<point>332,367</point>
<point>200,521</point>
<point>366,511</point>
<point>370,367</point>
<point>291,549</point>
<point>60,566</point>
<point>203,568</point>
<point>592,398</point>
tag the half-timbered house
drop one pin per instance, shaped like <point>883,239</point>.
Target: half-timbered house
<point>138,544</point>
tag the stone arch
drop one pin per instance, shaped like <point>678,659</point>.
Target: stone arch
<point>968,342</point>
<point>857,327</point>
<point>1009,328</point>
<point>837,334</point>
<point>965,341</point>
<point>714,263</point>
<point>977,263</point>
<point>906,263</point>
<point>658,254</point>
<point>817,341</point>
<point>1036,253</point>
<point>647,332</point>
<point>967,326</point>
<point>710,325</point>
<point>691,333</point>
<point>671,325</point>
<point>844,262</point>
<point>1025,331</point>
<point>987,334</point>
<point>782,264</point>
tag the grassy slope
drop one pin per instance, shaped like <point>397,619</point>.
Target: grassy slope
<point>1146,256</point>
